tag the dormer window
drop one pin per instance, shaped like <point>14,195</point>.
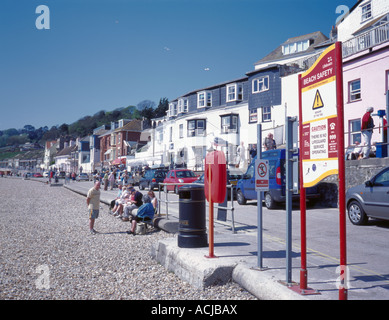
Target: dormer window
<point>295,47</point>
<point>172,109</point>
<point>366,12</point>
<point>234,92</point>
<point>204,99</point>
<point>182,105</point>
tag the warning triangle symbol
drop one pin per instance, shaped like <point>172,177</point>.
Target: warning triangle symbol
<point>318,103</point>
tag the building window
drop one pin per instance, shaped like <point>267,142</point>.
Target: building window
<point>366,12</point>
<point>229,124</point>
<point>295,47</point>
<point>204,99</point>
<point>172,109</point>
<point>182,105</point>
<point>266,114</point>
<point>171,134</point>
<point>355,131</point>
<point>196,128</point>
<point>234,92</point>
<point>181,130</point>
<point>253,115</point>
<point>355,90</point>
<point>261,84</point>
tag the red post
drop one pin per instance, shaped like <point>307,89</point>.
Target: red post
<point>303,232</point>
<point>341,173</point>
<point>211,240</point>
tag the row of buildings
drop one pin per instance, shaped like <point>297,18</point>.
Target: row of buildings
<point>230,111</point>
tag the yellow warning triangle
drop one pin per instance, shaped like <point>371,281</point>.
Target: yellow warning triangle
<point>318,103</point>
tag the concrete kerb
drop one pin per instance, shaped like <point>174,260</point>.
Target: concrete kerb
<point>191,266</point>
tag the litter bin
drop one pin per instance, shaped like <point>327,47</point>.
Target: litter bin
<point>381,150</point>
<point>191,228</point>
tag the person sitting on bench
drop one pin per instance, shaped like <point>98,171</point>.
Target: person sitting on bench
<point>145,213</point>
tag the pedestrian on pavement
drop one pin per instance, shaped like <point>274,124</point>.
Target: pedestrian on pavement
<point>105,180</point>
<point>269,143</point>
<point>367,131</point>
<point>111,179</point>
<point>93,202</point>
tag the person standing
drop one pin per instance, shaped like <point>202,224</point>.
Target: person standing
<point>93,202</point>
<point>270,143</point>
<point>111,179</point>
<point>105,180</point>
<point>367,131</point>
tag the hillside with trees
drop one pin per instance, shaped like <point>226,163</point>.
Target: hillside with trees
<point>84,126</point>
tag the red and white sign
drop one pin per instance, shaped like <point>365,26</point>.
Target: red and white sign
<point>261,175</point>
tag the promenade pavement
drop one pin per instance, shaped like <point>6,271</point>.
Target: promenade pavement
<point>236,260</point>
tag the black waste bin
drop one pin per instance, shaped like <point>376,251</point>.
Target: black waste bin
<point>191,229</point>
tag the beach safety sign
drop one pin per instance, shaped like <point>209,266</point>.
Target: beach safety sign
<point>319,152</point>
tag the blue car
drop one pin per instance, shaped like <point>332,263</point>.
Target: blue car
<point>277,182</point>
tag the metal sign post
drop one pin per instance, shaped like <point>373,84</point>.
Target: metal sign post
<point>387,118</point>
<point>259,205</point>
<point>291,142</point>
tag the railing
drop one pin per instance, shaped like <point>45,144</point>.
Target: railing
<point>367,40</point>
<point>166,201</point>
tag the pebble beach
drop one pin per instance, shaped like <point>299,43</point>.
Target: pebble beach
<point>48,253</point>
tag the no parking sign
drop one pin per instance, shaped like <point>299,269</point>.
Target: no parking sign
<point>261,175</point>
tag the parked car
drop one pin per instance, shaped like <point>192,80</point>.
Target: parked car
<point>37,175</point>
<point>179,176</point>
<point>82,177</point>
<point>370,199</point>
<point>46,174</point>
<point>233,175</point>
<point>152,178</point>
<point>61,174</point>
<point>277,182</point>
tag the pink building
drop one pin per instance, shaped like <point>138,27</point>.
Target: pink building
<point>364,33</point>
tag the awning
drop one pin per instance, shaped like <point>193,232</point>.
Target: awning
<point>118,161</point>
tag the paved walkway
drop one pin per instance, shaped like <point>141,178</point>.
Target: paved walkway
<point>236,259</point>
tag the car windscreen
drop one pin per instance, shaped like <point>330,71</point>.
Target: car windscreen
<point>160,174</point>
<point>185,174</point>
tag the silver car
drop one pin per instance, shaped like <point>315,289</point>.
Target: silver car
<point>370,199</point>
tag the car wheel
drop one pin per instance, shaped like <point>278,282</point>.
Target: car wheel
<point>269,201</point>
<point>356,214</point>
<point>240,198</point>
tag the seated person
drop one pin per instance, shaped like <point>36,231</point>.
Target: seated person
<point>154,200</point>
<point>118,209</point>
<point>144,213</point>
<point>114,203</point>
<point>354,152</point>
<point>134,203</point>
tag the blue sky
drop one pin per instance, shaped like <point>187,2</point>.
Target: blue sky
<point>105,54</point>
